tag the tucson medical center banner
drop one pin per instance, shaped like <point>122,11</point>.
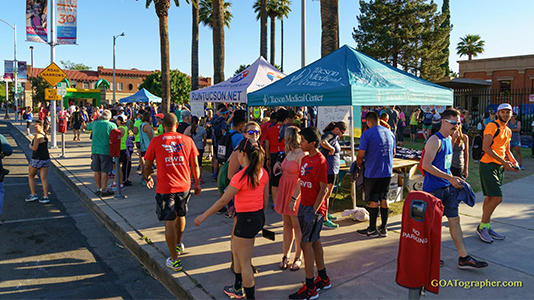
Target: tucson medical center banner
<point>36,26</point>
<point>66,21</point>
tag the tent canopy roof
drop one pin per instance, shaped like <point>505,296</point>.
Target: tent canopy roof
<point>259,74</point>
<point>142,96</point>
<point>349,77</point>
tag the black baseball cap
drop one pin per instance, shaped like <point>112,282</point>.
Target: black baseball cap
<point>247,145</point>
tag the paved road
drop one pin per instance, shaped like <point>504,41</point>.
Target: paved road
<point>60,249</point>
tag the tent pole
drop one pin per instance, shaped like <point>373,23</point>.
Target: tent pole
<point>352,183</point>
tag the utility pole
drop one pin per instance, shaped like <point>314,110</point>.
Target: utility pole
<point>53,125</point>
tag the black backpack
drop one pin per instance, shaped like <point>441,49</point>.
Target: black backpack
<point>224,148</point>
<point>476,151</point>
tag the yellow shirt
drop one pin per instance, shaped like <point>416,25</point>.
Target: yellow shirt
<point>500,142</point>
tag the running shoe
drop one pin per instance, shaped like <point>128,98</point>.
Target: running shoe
<point>484,235</point>
<point>31,198</point>
<point>330,225</point>
<point>114,188</point>
<point>175,265</point>
<point>331,217</point>
<point>180,248</point>
<point>383,231</point>
<point>305,293</point>
<point>495,235</point>
<point>44,200</point>
<point>521,167</point>
<point>143,182</point>
<point>469,263</point>
<point>233,293</point>
<point>98,193</point>
<point>106,193</point>
<point>128,183</point>
<point>201,181</point>
<point>322,284</point>
<point>367,232</point>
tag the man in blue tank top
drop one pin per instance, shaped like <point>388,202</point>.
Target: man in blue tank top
<point>440,182</point>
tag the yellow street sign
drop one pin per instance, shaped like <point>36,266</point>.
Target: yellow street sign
<point>51,94</point>
<point>53,74</point>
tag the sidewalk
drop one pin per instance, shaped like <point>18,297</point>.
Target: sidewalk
<point>359,268</point>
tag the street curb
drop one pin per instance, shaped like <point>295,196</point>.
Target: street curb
<point>151,264</point>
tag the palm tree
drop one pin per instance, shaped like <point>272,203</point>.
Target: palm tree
<point>263,28</point>
<point>162,11</point>
<point>276,9</point>
<point>470,45</point>
<point>207,16</point>
<point>329,27</point>
<point>194,46</point>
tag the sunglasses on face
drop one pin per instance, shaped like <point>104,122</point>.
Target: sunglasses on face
<point>252,132</point>
<point>453,123</point>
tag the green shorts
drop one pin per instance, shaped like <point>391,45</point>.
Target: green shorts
<point>427,126</point>
<point>491,177</point>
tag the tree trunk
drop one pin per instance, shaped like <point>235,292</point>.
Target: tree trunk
<point>329,27</point>
<point>469,56</point>
<point>162,10</point>
<point>218,41</point>
<point>282,44</point>
<point>194,47</point>
<point>263,28</point>
<point>273,33</point>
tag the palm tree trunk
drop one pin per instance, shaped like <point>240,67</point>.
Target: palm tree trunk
<point>194,47</point>
<point>218,41</point>
<point>263,28</point>
<point>162,10</point>
<point>329,27</point>
<point>273,44</point>
<point>282,44</point>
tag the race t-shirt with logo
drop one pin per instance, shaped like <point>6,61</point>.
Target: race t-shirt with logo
<point>272,137</point>
<point>313,171</point>
<point>172,152</point>
<point>500,142</point>
<point>249,199</point>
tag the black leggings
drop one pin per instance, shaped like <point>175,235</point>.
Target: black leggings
<point>126,165</point>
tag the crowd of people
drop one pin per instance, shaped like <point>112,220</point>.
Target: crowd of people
<point>284,161</point>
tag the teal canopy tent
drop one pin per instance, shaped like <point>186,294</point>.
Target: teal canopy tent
<point>349,77</point>
<point>142,96</point>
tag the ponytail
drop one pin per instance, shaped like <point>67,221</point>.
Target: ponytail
<point>331,126</point>
<point>256,157</point>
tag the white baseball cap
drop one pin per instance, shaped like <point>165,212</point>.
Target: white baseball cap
<point>504,106</point>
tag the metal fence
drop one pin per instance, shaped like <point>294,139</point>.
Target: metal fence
<point>482,101</point>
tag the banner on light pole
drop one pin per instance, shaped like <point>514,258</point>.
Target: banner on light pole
<point>22,71</point>
<point>8,69</point>
<point>36,25</point>
<point>66,21</point>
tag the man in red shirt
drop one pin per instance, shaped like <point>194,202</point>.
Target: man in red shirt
<point>173,153</point>
<point>42,112</point>
<point>312,188</point>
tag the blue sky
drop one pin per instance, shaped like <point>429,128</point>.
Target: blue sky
<point>502,24</point>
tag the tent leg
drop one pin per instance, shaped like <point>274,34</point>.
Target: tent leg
<point>351,128</point>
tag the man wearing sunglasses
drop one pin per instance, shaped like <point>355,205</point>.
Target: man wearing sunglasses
<point>440,182</point>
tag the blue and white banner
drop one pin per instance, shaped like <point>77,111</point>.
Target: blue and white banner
<point>66,21</point>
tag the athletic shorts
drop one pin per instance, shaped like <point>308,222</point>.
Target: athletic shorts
<point>448,198</point>
<point>101,163</point>
<point>491,177</point>
<point>248,224</point>
<point>515,144</point>
<point>274,180</point>
<point>413,129</point>
<point>38,163</point>
<point>332,178</point>
<point>376,189</point>
<point>428,127</point>
<point>28,124</point>
<point>76,126</point>
<point>310,224</point>
<point>169,206</point>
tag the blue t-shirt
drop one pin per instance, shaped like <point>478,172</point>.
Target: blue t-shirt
<point>236,138</point>
<point>334,159</point>
<point>378,143</point>
<point>442,161</point>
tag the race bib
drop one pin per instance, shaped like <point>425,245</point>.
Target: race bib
<point>448,161</point>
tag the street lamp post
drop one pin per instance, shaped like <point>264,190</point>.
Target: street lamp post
<point>114,83</point>
<point>15,67</point>
<point>31,50</point>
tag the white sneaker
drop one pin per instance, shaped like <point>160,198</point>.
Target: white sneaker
<point>114,187</point>
<point>31,198</point>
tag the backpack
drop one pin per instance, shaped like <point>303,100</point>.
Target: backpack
<point>420,166</point>
<point>25,115</point>
<point>476,151</point>
<point>224,148</point>
<point>216,124</point>
<point>222,180</point>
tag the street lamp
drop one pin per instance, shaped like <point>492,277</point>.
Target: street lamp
<point>15,66</point>
<point>114,83</point>
<point>33,95</point>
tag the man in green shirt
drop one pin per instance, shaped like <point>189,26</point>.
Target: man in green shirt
<point>101,162</point>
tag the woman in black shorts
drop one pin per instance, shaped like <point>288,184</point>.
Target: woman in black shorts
<point>250,190</point>
<point>40,161</point>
